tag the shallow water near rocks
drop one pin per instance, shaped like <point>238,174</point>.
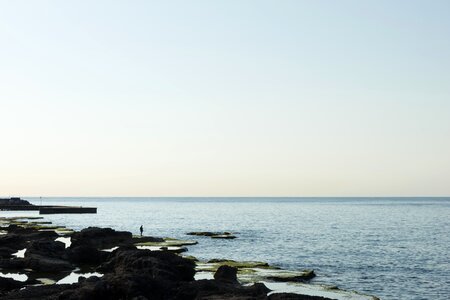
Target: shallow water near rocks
<point>20,253</point>
<point>15,276</point>
<point>394,248</point>
<point>74,276</point>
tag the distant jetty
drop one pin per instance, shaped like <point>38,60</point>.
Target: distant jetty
<point>19,204</point>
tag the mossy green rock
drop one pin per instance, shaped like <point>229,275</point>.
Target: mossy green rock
<point>254,271</point>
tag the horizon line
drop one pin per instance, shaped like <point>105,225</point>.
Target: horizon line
<point>415,196</point>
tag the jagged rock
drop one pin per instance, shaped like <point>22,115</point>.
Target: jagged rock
<point>46,264</point>
<point>226,274</point>
<point>12,264</point>
<point>12,241</point>
<point>47,248</point>
<point>159,264</point>
<point>128,272</point>
<point>212,289</point>
<point>8,284</point>
<point>100,238</point>
<point>6,252</point>
<point>123,286</point>
<point>18,237</point>
<point>86,255</point>
<point>43,292</point>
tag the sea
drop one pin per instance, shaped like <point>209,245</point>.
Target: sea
<point>393,248</point>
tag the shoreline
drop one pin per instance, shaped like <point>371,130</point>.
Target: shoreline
<point>58,261</point>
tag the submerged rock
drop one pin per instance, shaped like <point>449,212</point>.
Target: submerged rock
<point>214,235</point>
<point>292,276</point>
<point>291,296</point>
<point>238,264</point>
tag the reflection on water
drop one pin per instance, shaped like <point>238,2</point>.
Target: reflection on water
<point>15,276</point>
<point>66,240</point>
<point>73,277</point>
<point>20,253</point>
<point>160,248</point>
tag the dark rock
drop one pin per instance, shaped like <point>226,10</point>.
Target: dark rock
<point>226,274</point>
<point>12,264</point>
<point>47,248</point>
<point>47,264</point>
<point>202,233</point>
<point>120,286</point>
<point>212,289</point>
<point>6,252</point>
<point>223,236</point>
<point>214,235</point>
<point>19,238</point>
<point>43,292</point>
<point>14,242</point>
<point>158,264</point>
<point>129,273</point>
<point>146,239</point>
<point>8,284</point>
<point>86,255</point>
<point>100,238</point>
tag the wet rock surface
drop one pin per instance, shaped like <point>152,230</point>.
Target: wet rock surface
<point>226,274</point>
<point>101,238</point>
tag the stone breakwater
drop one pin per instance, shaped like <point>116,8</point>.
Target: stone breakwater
<point>37,258</point>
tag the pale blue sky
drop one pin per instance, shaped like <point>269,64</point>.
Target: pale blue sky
<point>243,98</point>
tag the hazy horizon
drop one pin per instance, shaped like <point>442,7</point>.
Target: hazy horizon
<point>200,98</point>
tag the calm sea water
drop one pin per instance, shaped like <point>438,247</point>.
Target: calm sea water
<point>395,248</point>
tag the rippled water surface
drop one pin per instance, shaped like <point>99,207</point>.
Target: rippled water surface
<point>395,248</point>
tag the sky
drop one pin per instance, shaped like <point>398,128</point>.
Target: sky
<point>224,98</point>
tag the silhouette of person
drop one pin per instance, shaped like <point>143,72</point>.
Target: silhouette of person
<point>141,229</point>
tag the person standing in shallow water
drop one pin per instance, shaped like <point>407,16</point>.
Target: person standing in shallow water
<point>141,229</point>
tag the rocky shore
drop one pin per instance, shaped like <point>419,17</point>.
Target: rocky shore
<point>117,265</point>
